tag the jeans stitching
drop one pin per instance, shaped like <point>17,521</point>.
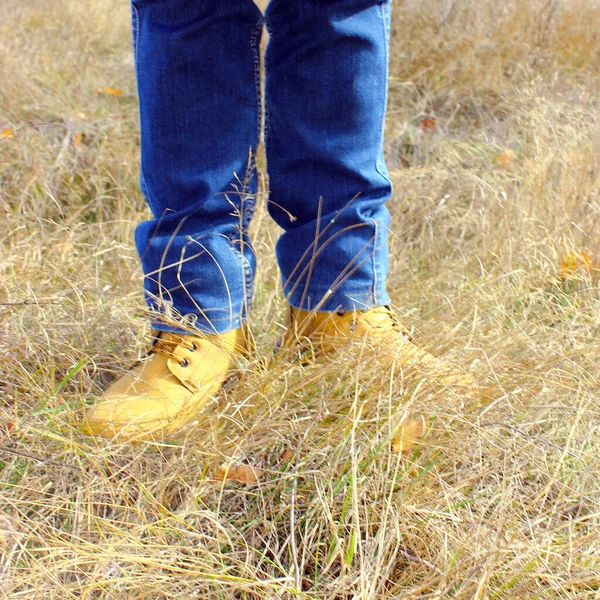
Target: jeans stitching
<point>386,34</point>
<point>247,213</point>
<point>135,20</point>
<point>266,108</point>
<point>256,56</point>
<point>136,30</point>
<point>381,169</point>
<point>247,277</point>
<point>374,259</point>
<point>248,202</point>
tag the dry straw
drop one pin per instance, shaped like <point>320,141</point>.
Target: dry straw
<point>492,120</point>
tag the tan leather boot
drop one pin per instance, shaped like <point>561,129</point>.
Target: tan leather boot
<point>390,340</point>
<point>166,390</point>
<point>387,342</point>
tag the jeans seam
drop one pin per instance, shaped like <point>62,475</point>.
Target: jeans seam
<point>374,260</point>
<point>248,213</point>
<point>266,107</point>
<point>386,34</point>
<point>378,163</point>
<point>136,45</point>
<point>256,56</point>
<point>136,26</point>
<point>247,277</point>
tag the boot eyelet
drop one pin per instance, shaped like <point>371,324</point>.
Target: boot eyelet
<point>184,363</point>
<point>193,348</point>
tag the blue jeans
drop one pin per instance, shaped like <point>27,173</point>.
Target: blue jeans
<point>198,74</point>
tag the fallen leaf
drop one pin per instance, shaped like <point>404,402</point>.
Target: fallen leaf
<point>577,263</point>
<point>505,159</point>
<point>9,428</point>
<point>112,91</point>
<point>7,134</point>
<point>240,473</point>
<point>408,435</point>
<point>78,138</point>
<point>428,123</point>
<point>286,455</point>
<point>108,90</point>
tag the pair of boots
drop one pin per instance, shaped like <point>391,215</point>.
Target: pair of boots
<point>182,372</point>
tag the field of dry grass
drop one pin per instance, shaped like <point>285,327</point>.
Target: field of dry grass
<point>494,147</point>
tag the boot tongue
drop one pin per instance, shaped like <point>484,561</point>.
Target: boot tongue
<point>171,346</point>
<point>195,361</point>
<point>384,318</point>
<point>165,342</point>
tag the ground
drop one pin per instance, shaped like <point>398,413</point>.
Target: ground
<point>287,486</point>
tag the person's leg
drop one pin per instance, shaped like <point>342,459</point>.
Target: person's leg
<point>326,90</point>
<point>197,69</point>
<point>327,74</point>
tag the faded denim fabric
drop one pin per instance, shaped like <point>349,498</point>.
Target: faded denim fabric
<point>198,73</point>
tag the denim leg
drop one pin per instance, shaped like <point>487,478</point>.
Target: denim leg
<point>326,93</point>
<point>197,69</point>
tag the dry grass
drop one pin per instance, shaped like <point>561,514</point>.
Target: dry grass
<point>503,500</point>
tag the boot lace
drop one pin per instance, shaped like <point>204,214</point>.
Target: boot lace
<point>166,345</point>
